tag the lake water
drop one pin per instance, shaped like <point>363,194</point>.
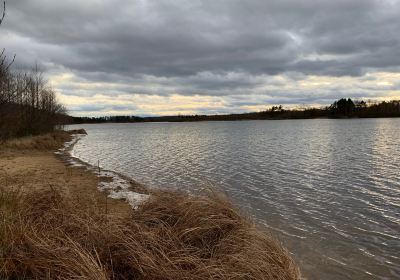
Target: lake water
<point>330,189</point>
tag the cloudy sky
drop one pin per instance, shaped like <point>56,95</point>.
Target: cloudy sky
<point>159,57</point>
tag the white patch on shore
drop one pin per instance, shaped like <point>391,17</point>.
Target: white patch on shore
<point>117,188</point>
<point>66,150</point>
<point>133,198</point>
<point>67,145</point>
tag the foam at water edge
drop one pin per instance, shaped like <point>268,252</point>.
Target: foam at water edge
<point>117,188</point>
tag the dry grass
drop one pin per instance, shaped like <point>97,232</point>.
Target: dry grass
<point>49,141</point>
<point>173,236</point>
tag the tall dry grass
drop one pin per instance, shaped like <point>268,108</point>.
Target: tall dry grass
<point>172,236</point>
<point>48,141</point>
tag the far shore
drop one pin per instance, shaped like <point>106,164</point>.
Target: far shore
<point>341,109</point>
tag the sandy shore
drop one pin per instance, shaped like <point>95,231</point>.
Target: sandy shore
<point>73,230</point>
<point>31,169</point>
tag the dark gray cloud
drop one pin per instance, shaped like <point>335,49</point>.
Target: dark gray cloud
<point>202,47</point>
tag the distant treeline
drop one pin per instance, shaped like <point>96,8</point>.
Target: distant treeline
<point>27,103</point>
<point>343,108</point>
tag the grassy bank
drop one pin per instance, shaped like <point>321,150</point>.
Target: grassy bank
<point>50,235</point>
<point>48,141</point>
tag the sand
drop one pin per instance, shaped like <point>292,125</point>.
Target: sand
<point>172,236</point>
<point>31,170</point>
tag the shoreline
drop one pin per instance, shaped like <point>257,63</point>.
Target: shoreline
<point>342,108</point>
<point>31,169</point>
<point>57,224</point>
<point>239,120</point>
<point>110,184</point>
<point>113,184</point>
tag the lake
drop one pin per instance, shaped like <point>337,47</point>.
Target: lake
<point>329,189</point>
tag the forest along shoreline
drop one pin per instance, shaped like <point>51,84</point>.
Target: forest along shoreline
<point>55,223</point>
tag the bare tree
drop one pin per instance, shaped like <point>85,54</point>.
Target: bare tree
<point>27,104</point>
<point>4,12</point>
<point>3,57</point>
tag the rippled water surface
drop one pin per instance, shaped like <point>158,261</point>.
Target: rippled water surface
<point>330,189</point>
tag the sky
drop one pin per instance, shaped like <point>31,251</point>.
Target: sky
<point>159,57</point>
